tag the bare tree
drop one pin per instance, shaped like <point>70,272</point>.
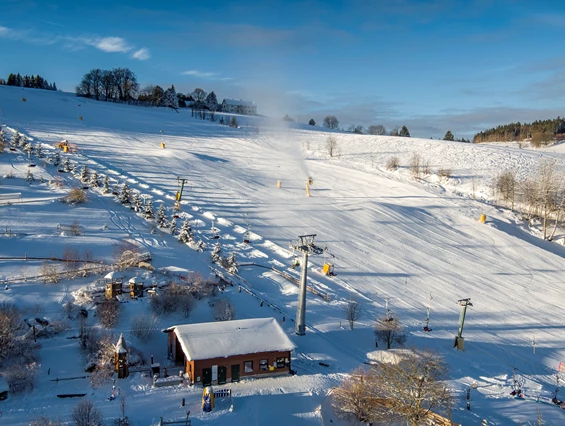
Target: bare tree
<point>331,145</point>
<point>392,163</point>
<point>353,310</point>
<point>354,397</point>
<point>75,228</point>
<point>376,130</point>
<point>415,162</point>
<point>505,186</point>
<point>408,389</point>
<point>108,313</point>
<point>389,331</point>
<point>49,272</point>
<point>144,326</point>
<point>44,421</point>
<point>547,189</point>
<point>223,310</point>
<point>331,122</point>
<point>71,257</point>
<point>10,320</point>
<point>84,413</point>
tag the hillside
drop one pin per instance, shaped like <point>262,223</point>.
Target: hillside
<point>393,238</point>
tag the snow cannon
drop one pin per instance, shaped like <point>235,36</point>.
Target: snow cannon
<point>278,184</point>
<point>482,218</point>
<point>163,145</point>
<point>307,189</point>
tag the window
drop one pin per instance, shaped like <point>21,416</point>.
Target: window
<point>264,365</point>
<point>248,367</point>
<point>280,363</point>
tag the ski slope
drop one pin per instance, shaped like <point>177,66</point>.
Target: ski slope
<point>394,238</point>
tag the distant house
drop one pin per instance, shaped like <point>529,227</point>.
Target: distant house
<point>225,351</point>
<point>237,106</point>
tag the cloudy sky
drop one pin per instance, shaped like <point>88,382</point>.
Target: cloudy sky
<point>432,65</point>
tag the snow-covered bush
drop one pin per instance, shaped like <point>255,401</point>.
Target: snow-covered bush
<point>21,377</point>
<point>173,298</point>
<point>76,196</point>
<point>144,326</point>
<point>223,310</point>
<point>84,413</point>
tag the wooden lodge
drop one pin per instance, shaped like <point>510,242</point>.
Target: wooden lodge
<point>222,352</point>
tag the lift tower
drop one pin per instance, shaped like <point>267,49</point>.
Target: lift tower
<point>306,245</point>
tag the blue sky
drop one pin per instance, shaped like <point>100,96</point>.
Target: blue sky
<point>431,65</point>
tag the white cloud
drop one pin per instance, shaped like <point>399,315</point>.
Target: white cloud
<point>196,73</point>
<point>6,32</point>
<point>109,44</point>
<point>141,54</point>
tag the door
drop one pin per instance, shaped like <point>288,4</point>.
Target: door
<point>235,373</point>
<point>206,376</point>
<point>222,370</point>
<point>214,373</point>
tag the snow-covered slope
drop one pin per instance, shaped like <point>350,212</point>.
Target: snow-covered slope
<point>393,238</point>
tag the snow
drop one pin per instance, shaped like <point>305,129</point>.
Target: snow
<point>394,237</point>
<point>121,345</point>
<point>228,338</point>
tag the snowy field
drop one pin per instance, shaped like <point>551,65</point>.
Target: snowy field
<point>394,238</point>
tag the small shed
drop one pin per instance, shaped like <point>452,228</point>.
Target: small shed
<point>113,284</point>
<point>135,287</point>
<point>225,351</point>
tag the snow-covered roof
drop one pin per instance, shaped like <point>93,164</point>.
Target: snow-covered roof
<point>121,347</point>
<point>239,102</point>
<point>114,275</point>
<point>134,280</point>
<point>227,338</point>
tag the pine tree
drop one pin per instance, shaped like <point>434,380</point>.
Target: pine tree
<point>137,203</point>
<point>23,141</point>
<point>232,263</point>
<point>29,176</point>
<point>212,101</point>
<point>233,123</point>
<point>124,194</point>
<point>28,147</point>
<point>39,150</point>
<point>312,122</point>
<point>2,140</point>
<point>94,179</point>
<point>449,136</point>
<point>161,216</point>
<point>185,231</point>
<point>170,99</point>
<point>67,165</point>
<point>404,132</point>
<point>16,139</point>
<point>217,253</point>
<point>173,226</point>
<point>56,159</point>
<point>148,213</point>
<point>84,174</point>
<point>106,185</point>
